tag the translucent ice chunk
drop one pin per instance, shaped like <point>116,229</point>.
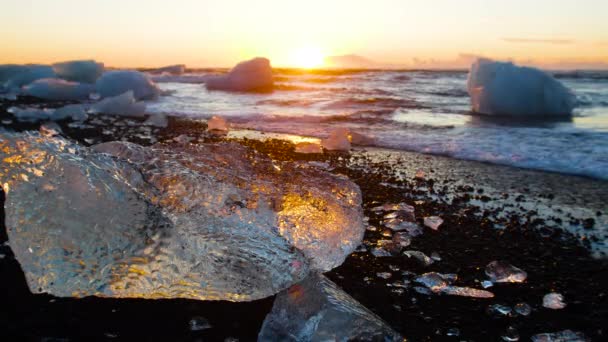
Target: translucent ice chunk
<point>217,123</point>
<point>554,301</point>
<point>114,83</point>
<point>433,222</point>
<point>423,258</point>
<point>561,336</point>
<point>79,71</point>
<point>57,89</point>
<point>502,272</point>
<point>317,310</point>
<point>124,104</point>
<point>337,141</point>
<point>210,222</point>
<point>440,283</point>
<point>252,75</point>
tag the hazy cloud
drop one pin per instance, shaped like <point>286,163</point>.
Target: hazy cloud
<point>537,41</point>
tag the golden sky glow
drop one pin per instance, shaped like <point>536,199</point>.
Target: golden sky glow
<point>407,33</point>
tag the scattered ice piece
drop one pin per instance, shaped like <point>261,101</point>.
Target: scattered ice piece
<point>403,239</point>
<point>467,292</point>
<point>501,309</point>
<point>7,121</point>
<point>159,207</point>
<point>308,148</point>
<point>217,123</point>
<point>326,166</point>
<point>157,120</point>
<point>486,284</point>
<point>31,114</point>
<point>86,71</point>
<point>394,207</point>
<point>384,275</point>
<point>561,336</point>
<point>511,335</point>
<point>423,258</point>
<point>502,272</point>
<point>453,332</point>
<point>183,139</point>
<point>199,323</point>
<point>50,129</point>
<point>420,174</point>
<point>76,112</point>
<point>15,76</point>
<point>502,88</point>
<point>423,290</point>
<point>522,309</point>
<point>554,301</point>
<point>337,140</point>
<point>435,256</point>
<point>434,281</point>
<point>115,83</point>
<point>380,252</point>
<point>433,222</point>
<point>317,310</point>
<point>124,104</point>
<point>57,89</point>
<point>254,75</point>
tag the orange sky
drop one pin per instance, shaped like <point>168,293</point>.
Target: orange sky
<point>403,33</point>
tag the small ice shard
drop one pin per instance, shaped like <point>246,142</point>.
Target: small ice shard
<point>436,282</point>
<point>384,275</point>
<point>561,336</point>
<point>433,222</point>
<point>217,123</point>
<point>86,71</point>
<point>176,69</point>
<point>386,248</point>
<point>435,256</point>
<point>402,239</point>
<point>254,75</point>
<point>199,323</point>
<point>124,104</point>
<point>486,284</point>
<point>500,309</point>
<point>157,120</point>
<point>50,129</point>
<point>502,272</point>
<point>403,224</point>
<point>423,290</point>
<point>511,335</point>
<point>522,309</point>
<point>57,89</point>
<point>31,114</point>
<point>453,332</point>
<point>209,222</point>
<point>308,148</point>
<point>420,174</point>
<point>394,207</point>
<point>423,258</point>
<point>74,111</point>
<point>467,292</point>
<point>114,83</point>
<point>317,310</point>
<point>502,88</point>
<point>554,301</point>
<point>183,139</point>
<point>337,141</point>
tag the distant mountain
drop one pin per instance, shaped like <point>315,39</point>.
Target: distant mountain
<point>350,62</point>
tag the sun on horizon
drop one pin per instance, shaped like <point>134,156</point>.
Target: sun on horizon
<point>307,58</point>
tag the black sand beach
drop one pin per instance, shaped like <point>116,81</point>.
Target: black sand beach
<point>549,225</point>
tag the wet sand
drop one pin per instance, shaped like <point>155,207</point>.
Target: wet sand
<point>541,222</point>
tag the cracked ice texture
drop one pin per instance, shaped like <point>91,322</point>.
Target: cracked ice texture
<point>318,310</point>
<point>162,225</point>
<point>502,88</point>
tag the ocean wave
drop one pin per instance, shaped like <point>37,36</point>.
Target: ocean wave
<point>383,102</point>
<point>590,75</point>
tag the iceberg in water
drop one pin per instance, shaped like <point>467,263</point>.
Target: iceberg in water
<point>79,71</point>
<point>177,69</point>
<point>502,88</point>
<point>60,90</point>
<point>318,310</point>
<point>252,75</point>
<point>209,222</point>
<point>123,104</point>
<point>113,83</point>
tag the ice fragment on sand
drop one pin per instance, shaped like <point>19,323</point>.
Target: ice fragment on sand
<point>114,83</point>
<point>423,258</point>
<point>561,336</point>
<point>486,283</point>
<point>57,89</point>
<point>337,140</point>
<point>554,301</point>
<point>433,222</point>
<point>254,75</point>
<point>523,309</point>
<point>157,120</point>
<point>467,292</point>
<point>500,309</point>
<point>74,111</point>
<point>209,222</point>
<point>317,310</point>
<point>511,335</point>
<point>308,147</point>
<point>198,323</point>
<point>441,283</point>
<point>15,76</point>
<point>124,104</point>
<point>86,71</point>
<point>50,129</point>
<point>499,88</point>
<point>502,272</point>
<point>217,123</point>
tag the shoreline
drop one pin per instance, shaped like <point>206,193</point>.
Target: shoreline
<point>480,225</point>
